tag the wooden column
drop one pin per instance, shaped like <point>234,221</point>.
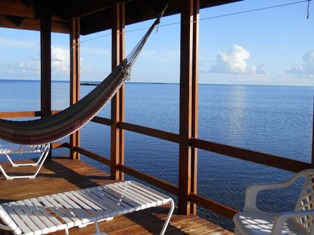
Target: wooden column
<point>75,79</point>
<point>117,102</point>
<point>45,56</point>
<point>188,104</point>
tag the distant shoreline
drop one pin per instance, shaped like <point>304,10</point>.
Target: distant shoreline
<point>89,83</point>
<point>95,83</point>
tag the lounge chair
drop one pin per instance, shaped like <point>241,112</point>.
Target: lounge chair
<point>79,208</point>
<point>9,148</point>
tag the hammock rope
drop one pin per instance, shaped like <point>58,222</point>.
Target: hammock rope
<point>51,128</point>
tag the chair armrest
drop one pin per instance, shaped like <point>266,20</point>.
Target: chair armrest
<point>284,216</point>
<point>252,191</point>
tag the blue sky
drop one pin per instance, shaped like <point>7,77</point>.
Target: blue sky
<point>239,44</point>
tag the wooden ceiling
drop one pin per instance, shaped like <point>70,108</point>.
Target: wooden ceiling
<point>95,15</point>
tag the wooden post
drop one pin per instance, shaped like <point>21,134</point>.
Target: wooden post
<point>75,79</point>
<point>194,124</point>
<point>188,105</point>
<point>45,57</point>
<point>117,102</point>
<point>45,52</point>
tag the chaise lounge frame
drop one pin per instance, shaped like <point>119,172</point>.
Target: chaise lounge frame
<point>10,149</point>
<point>79,208</point>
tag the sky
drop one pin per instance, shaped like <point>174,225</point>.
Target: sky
<point>269,42</point>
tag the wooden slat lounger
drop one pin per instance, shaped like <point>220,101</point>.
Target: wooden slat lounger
<point>78,208</point>
<point>9,148</point>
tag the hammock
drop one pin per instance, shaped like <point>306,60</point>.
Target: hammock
<point>54,127</point>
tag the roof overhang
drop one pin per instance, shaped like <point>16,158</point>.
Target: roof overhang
<point>95,15</point>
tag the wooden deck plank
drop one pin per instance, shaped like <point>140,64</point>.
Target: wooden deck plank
<point>62,174</point>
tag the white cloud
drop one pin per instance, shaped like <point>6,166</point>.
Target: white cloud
<point>60,62</point>
<point>307,67</point>
<point>234,61</point>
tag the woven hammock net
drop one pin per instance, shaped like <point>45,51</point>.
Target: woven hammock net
<point>54,127</point>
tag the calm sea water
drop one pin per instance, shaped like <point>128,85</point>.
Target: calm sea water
<point>271,119</point>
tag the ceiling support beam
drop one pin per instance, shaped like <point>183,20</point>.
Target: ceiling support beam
<point>75,80</point>
<point>188,105</point>
<point>45,52</point>
<point>117,102</point>
<point>32,24</point>
<point>92,6</point>
<point>18,21</point>
<point>45,57</point>
<point>16,8</point>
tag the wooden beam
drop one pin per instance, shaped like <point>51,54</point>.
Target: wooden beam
<point>45,56</point>
<point>194,101</point>
<point>102,120</point>
<point>250,155</point>
<point>154,7</point>
<point>45,50</point>
<point>164,135</point>
<point>89,7</point>
<point>213,206</point>
<point>117,102</point>
<point>188,105</point>
<point>33,24</point>
<point>149,179</point>
<point>23,114</point>
<point>23,9</point>
<point>16,20</point>
<point>85,8</point>
<point>20,114</point>
<point>75,80</point>
<point>93,156</point>
<point>16,8</point>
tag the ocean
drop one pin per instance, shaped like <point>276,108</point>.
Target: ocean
<point>272,119</point>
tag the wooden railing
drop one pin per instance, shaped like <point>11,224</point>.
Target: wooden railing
<point>231,151</point>
<point>227,150</point>
<point>25,114</point>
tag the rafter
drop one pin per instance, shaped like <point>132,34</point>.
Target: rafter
<point>95,14</point>
<point>16,8</point>
<point>84,8</point>
<point>32,24</point>
<point>18,21</point>
<point>154,7</point>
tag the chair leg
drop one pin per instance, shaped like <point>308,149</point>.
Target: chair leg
<point>66,231</point>
<point>236,231</point>
<point>97,230</point>
<point>168,217</point>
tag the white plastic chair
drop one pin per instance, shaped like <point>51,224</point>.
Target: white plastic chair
<point>255,221</point>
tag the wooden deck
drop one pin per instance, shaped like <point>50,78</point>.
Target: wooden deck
<point>62,174</point>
